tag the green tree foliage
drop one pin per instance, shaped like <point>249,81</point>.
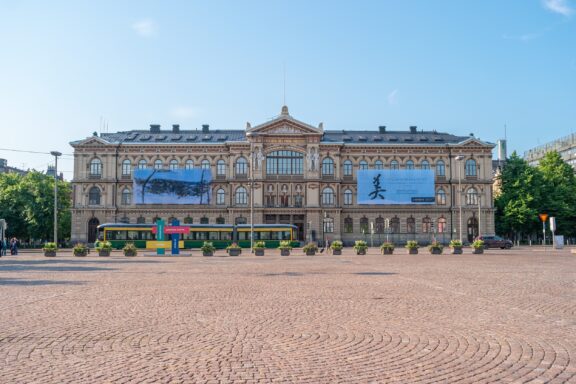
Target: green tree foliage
<point>527,191</point>
<point>27,204</point>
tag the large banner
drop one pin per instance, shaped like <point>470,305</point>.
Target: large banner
<point>180,186</point>
<point>394,186</point>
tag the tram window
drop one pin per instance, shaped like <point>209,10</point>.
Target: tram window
<point>285,235</point>
<point>214,235</point>
<point>201,235</point>
<point>187,236</point>
<point>274,235</point>
<point>147,236</point>
<point>116,235</point>
<point>226,236</point>
<point>243,235</point>
<point>264,235</point>
<point>133,235</point>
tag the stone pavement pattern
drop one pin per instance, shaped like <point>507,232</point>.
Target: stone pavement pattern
<point>505,316</point>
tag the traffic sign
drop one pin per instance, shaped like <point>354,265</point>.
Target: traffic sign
<point>543,217</point>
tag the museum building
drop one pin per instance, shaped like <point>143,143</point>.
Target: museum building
<point>287,171</point>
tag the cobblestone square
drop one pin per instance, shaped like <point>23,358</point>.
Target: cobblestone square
<point>504,316</point>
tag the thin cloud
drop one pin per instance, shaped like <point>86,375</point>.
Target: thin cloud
<point>145,28</point>
<point>184,113</point>
<point>393,97</point>
<point>558,6</point>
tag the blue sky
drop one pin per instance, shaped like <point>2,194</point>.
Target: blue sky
<point>454,66</point>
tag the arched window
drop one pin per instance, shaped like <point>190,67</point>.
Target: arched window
<point>241,167</point>
<point>411,225</point>
<point>347,168</point>
<point>220,197</point>
<point>125,220</point>
<point>126,197</point>
<point>189,164</point>
<point>394,164</point>
<point>363,165</point>
<point>155,219</point>
<point>327,167</point>
<point>409,164</point>
<point>205,164</point>
<point>285,163</point>
<point>379,224</point>
<point>204,220</point>
<point>378,164</point>
<point>95,168</point>
<point>395,225</point>
<point>241,196</point>
<point>364,225</point>
<point>126,168</point>
<point>188,220</point>
<point>348,225</point>
<point>94,196</point>
<point>425,164</point>
<point>220,220</point>
<point>221,168</point>
<point>347,197</point>
<point>241,220</point>
<point>158,164</point>
<point>441,225</point>
<point>472,196</point>
<point>173,164</point>
<point>441,197</point>
<point>141,220</point>
<point>470,167</point>
<point>440,168</point>
<point>328,225</point>
<point>142,164</point>
<point>327,196</point>
<point>426,225</point>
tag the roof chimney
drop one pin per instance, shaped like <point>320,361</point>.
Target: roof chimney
<point>205,128</point>
<point>176,128</point>
<point>382,129</point>
<point>155,128</point>
<point>413,128</point>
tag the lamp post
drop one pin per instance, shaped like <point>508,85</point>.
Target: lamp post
<point>56,154</point>
<point>459,158</point>
<point>251,198</point>
<point>479,217</point>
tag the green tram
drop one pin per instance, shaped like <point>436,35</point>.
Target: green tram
<point>221,235</point>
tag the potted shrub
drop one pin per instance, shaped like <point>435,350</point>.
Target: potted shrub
<point>412,247</point>
<point>130,249</point>
<point>478,246</point>
<point>208,248</point>
<point>259,247</point>
<point>310,249</point>
<point>285,248</point>
<point>435,248</point>
<point>360,247</point>
<point>104,248</point>
<point>387,248</point>
<point>49,249</point>
<point>234,249</point>
<point>336,247</point>
<point>80,249</point>
<point>456,246</point>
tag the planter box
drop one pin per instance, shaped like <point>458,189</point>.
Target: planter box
<point>413,251</point>
<point>80,254</point>
<point>130,254</point>
<point>478,250</point>
<point>284,252</point>
<point>361,252</point>
<point>436,251</point>
<point>336,251</point>
<point>207,253</point>
<point>310,253</point>
<point>457,251</point>
<point>387,251</point>
<point>259,251</point>
<point>234,252</point>
<point>50,253</point>
<point>103,253</point>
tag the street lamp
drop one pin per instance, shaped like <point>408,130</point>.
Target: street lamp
<point>56,154</point>
<point>459,158</point>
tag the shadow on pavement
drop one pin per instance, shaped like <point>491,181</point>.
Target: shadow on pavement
<point>22,282</point>
<point>374,273</point>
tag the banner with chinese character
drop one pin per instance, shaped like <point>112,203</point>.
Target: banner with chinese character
<point>394,186</point>
<point>181,186</point>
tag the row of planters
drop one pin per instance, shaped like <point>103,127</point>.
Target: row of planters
<point>102,247</point>
<point>435,248</point>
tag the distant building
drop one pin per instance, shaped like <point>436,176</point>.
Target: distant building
<point>565,146</point>
<point>4,168</point>
<point>51,170</point>
<point>302,175</point>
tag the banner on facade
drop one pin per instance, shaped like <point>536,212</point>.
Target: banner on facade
<point>394,186</point>
<point>179,186</point>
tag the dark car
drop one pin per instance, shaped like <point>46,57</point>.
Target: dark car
<point>492,241</point>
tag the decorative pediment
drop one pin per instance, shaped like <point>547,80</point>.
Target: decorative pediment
<point>91,141</point>
<point>475,142</point>
<point>285,125</point>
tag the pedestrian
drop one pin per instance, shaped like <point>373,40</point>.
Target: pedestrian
<point>4,246</point>
<point>14,246</point>
<point>1,247</point>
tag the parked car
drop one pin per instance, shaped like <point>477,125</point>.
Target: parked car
<point>493,241</point>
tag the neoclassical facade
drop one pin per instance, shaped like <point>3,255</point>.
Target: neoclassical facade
<point>287,171</point>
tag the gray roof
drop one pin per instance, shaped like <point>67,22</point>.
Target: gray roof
<point>222,136</point>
